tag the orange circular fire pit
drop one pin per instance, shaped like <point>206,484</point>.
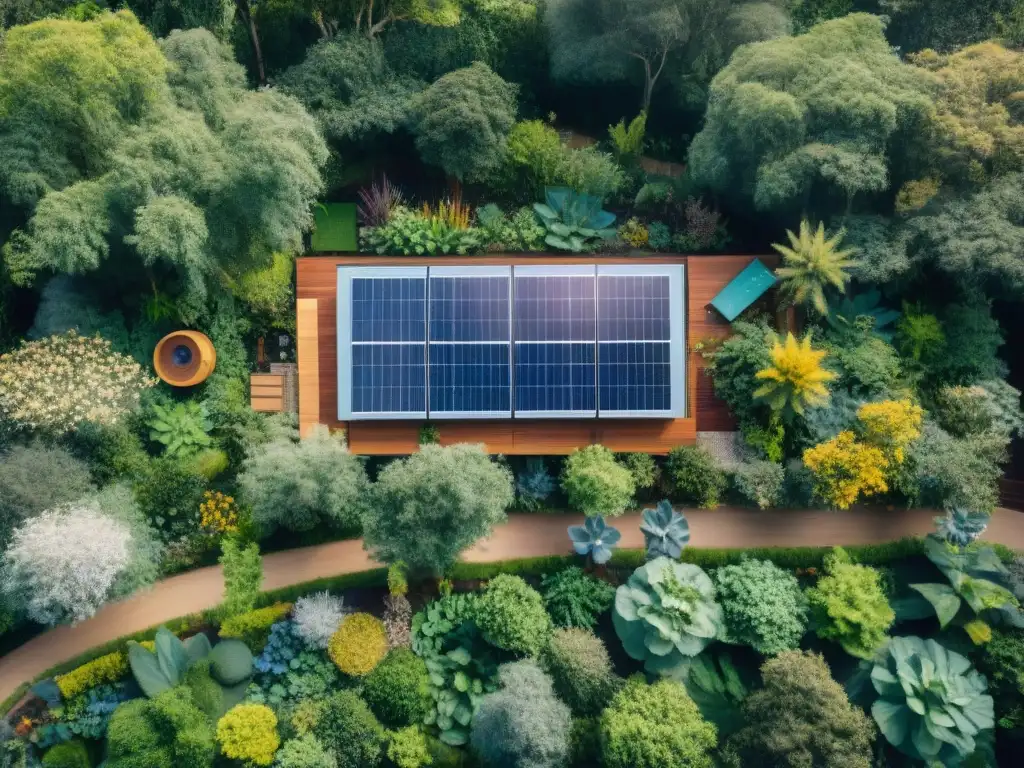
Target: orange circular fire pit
<point>184,358</point>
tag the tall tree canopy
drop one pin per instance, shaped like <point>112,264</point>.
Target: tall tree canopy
<point>607,40</point>
<point>151,162</point>
<point>820,111</point>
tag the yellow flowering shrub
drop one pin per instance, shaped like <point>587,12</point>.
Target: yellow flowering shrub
<point>891,425</point>
<point>634,233</point>
<point>59,382</point>
<point>108,668</point>
<point>845,469</point>
<point>248,733</point>
<point>796,378</point>
<point>358,645</point>
<point>218,514</point>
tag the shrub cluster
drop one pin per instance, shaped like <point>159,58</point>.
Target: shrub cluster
<point>358,645</point>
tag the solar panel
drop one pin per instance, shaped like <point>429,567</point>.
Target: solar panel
<point>554,379</point>
<point>469,361</point>
<point>382,317</point>
<point>637,371</point>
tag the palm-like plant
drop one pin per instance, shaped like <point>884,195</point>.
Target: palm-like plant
<point>796,379</point>
<point>813,263</point>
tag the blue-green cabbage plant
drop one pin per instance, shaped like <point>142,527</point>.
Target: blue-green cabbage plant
<point>665,614</point>
<point>595,538</point>
<point>165,666</point>
<point>961,527</point>
<point>574,222</point>
<point>932,703</point>
<point>665,531</point>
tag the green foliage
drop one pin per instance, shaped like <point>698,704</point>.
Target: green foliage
<point>950,472</point>
<point>243,576</point>
<point>302,484</point>
<point>760,482</point>
<point>505,732</point>
<point>518,232</point>
<point>248,733</point>
<point>932,703</point>
<point>397,689</point>
<point>655,726</point>
<point>666,613</point>
<point>846,315</point>
<point>534,485</point>
<point>595,484</point>
<point>659,237</point>
<point>574,598</point>
<point>22,495</point>
<point>253,628</point>
<point>409,233</point>
<point>800,717</point>
<point>150,175</point>
<point>169,493</point>
<point>762,606</point>
<point>718,689</point>
<point>269,292</point>
<point>588,171</point>
<point>1002,663</point>
<point>849,607</point>
<point>348,730</point>
<point>164,667</point>
<point>813,264</point>
<point>642,467</point>
<point>511,615</point>
<point>112,452</point>
<point>575,221</point>
<point>867,367</point>
<point>207,695</point>
<point>166,732</point>
<point>230,662</point>
<point>426,509</point>
<point>734,366</point>
<point>629,140</point>
<point>70,754</point>
<point>407,748</point>
<point>306,751</point>
<point>759,136</point>
<point>582,673</point>
<point>463,119</point>
<point>694,476</point>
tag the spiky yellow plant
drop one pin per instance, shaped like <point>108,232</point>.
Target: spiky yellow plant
<point>796,378</point>
<point>891,426</point>
<point>813,263</point>
<point>454,213</point>
<point>845,469</point>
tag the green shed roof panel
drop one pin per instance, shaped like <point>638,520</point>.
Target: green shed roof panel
<point>743,290</point>
<point>335,228</point>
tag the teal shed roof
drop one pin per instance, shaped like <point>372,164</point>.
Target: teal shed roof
<point>743,290</point>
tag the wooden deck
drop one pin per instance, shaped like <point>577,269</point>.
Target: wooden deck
<point>318,366</point>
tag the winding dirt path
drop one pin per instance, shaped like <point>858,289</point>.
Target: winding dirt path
<point>522,536</point>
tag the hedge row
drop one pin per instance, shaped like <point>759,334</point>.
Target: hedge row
<point>623,559</point>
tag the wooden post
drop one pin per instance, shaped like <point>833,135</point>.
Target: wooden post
<point>308,356</point>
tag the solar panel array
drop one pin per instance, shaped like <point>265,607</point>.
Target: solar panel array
<point>498,342</point>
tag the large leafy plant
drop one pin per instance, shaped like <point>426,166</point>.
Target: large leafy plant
<point>932,704</point>
<point>666,532</point>
<point>574,222</point>
<point>165,666</point>
<point>595,538</point>
<point>975,596</point>
<point>183,428</point>
<point>665,614</point>
<point>846,315</point>
<point>409,233</point>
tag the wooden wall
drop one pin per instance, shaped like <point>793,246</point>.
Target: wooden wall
<point>317,281</point>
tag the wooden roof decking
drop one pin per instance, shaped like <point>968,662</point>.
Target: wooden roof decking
<point>318,349</point>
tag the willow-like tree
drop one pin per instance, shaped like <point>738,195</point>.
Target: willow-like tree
<point>151,164</point>
<point>824,112</point>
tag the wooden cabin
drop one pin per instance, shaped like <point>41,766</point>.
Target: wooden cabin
<point>527,353</point>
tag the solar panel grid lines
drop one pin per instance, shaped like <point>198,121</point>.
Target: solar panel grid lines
<point>558,341</point>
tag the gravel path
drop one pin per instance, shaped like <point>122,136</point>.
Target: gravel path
<point>522,536</point>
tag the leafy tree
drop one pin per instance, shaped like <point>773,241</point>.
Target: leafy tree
<point>812,264</point>
<point>512,617</point>
<point>397,689</point>
<point>795,379</point>
<point>596,484</point>
<point>849,606</point>
<point>243,576</point>
<point>977,111</point>
<point>578,663</point>
<point>164,731</point>
<point>734,366</point>
<point>694,476</point>
<point>349,731</point>
<point>844,469</point>
<point>655,726</point>
<point>821,112</point>
<point>762,606</point>
<point>300,484</point>
<point>801,717</point>
<point>462,121</point>
<point>427,508</point>
<point>523,723</point>
<point>152,164</point>
<point>607,40</point>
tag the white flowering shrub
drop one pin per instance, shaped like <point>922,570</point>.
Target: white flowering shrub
<point>57,383</point>
<point>63,565</point>
<point>317,617</point>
